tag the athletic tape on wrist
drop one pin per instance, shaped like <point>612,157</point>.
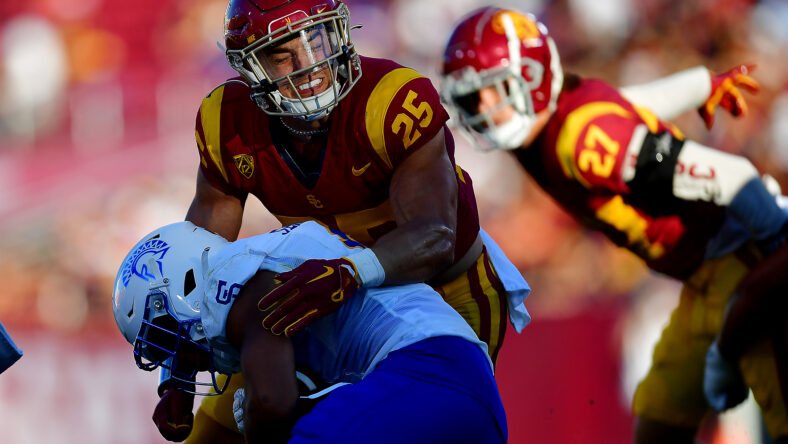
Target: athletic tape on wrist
<point>370,272</point>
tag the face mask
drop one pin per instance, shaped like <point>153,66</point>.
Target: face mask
<point>312,103</point>
<point>511,134</point>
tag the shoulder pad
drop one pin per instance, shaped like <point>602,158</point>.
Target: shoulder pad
<point>592,141</point>
<point>397,117</point>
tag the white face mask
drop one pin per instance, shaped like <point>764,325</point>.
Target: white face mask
<point>510,135</point>
<point>305,108</point>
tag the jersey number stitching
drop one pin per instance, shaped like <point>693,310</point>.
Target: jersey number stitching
<point>590,158</point>
<point>411,135</point>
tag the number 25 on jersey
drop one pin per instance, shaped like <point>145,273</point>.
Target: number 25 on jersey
<point>406,120</point>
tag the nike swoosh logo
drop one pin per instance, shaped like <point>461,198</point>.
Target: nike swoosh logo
<point>360,171</point>
<point>322,9</point>
<point>329,272</point>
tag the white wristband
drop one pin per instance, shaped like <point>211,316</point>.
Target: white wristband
<point>370,272</point>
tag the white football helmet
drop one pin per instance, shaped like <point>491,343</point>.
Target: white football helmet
<point>156,301</point>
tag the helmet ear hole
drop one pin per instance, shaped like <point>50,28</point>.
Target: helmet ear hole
<point>188,282</point>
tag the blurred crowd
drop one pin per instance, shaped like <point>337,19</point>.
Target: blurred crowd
<point>97,107</point>
<point>99,98</point>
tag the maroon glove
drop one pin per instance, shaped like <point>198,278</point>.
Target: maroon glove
<point>725,93</point>
<point>173,414</point>
<point>311,290</point>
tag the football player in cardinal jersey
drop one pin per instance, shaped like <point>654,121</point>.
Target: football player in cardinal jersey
<point>318,132</point>
<point>689,211</point>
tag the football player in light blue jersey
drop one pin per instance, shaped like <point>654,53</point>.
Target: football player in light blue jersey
<point>189,301</point>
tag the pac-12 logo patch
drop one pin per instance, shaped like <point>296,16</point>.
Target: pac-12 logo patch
<point>245,164</point>
<point>139,262</point>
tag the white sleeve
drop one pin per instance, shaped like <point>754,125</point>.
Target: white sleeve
<point>671,96</point>
<point>710,175</point>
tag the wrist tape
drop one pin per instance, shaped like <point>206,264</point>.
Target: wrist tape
<point>370,272</point>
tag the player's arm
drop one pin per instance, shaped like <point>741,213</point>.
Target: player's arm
<point>214,210</point>
<point>668,169</point>
<point>267,363</point>
<point>423,194</point>
<point>695,88</point>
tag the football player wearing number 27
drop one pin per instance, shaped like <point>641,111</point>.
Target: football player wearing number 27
<point>691,212</point>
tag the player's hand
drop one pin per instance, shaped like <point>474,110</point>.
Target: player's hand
<point>173,414</point>
<point>722,382</point>
<point>725,92</point>
<point>238,408</point>
<point>311,290</point>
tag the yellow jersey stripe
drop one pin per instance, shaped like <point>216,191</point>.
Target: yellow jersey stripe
<point>202,148</point>
<point>378,105</point>
<point>494,300</point>
<point>575,123</point>
<point>210,114</point>
<point>625,219</point>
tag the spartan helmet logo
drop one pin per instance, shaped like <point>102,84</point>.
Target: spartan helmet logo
<point>138,262</point>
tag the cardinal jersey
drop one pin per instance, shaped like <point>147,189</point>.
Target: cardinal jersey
<point>585,158</point>
<point>391,112</point>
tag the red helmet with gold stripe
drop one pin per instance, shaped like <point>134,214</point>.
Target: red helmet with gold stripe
<point>495,46</point>
<point>297,55</point>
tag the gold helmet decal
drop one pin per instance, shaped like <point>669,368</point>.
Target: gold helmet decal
<point>523,25</point>
<point>245,165</point>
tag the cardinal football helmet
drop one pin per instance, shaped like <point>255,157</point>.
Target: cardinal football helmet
<point>297,55</point>
<point>156,301</point>
<point>507,50</point>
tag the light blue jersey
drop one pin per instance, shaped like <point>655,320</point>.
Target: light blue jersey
<point>346,344</point>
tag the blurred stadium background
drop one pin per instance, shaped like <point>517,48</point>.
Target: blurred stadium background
<point>97,106</point>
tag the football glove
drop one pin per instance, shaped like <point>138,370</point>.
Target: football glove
<point>725,93</point>
<point>173,414</point>
<point>723,384</point>
<point>311,290</point>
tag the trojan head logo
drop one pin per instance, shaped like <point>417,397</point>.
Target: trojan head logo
<point>140,260</point>
<point>525,28</point>
<point>245,165</point>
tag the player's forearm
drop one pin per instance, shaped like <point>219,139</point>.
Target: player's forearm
<point>673,95</point>
<point>423,196</point>
<point>271,396</point>
<point>731,181</point>
<point>415,252</point>
<point>266,429</point>
<point>268,366</point>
